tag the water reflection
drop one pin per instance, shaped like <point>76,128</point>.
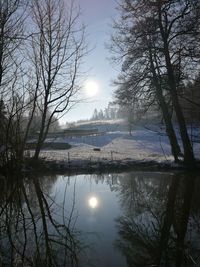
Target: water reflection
<point>30,234</point>
<point>128,219</point>
<point>159,226</point>
<point>93,202</point>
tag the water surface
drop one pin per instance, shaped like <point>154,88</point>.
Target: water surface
<point>127,219</point>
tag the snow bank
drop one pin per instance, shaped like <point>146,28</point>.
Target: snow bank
<point>143,145</point>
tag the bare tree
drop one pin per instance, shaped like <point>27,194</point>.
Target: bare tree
<point>10,29</point>
<point>140,81</point>
<point>12,14</point>
<point>178,23</point>
<point>158,41</point>
<point>57,49</point>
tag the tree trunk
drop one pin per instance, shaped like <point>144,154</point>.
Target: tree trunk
<point>38,146</point>
<point>41,135</point>
<point>175,148</point>
<point>188,150</point>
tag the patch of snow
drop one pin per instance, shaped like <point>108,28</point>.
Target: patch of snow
<point>143,145</point>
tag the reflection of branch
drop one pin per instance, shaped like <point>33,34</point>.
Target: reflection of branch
<point>17,221</point>
<point>57,227</point>
<point>8,200</point>
<point>32,218</point>
<point>169,216</point>
<point>45,228</point>
<point>73,205</point>
<point>187,201</point>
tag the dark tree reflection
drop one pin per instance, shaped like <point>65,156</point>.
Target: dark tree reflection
<point>30,232</point>
<point>160,222</point>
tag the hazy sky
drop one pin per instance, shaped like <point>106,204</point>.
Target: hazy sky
<point>97,15</point>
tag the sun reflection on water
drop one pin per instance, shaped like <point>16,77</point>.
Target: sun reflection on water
<point>93,202</point>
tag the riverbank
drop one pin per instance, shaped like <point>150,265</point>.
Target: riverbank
<point>149,149</point>
<point>84,167</point>
<point>113,151</point>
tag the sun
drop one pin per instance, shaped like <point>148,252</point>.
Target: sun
<point>91,88</point>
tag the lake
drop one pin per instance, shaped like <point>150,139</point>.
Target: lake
<point>126,219</point>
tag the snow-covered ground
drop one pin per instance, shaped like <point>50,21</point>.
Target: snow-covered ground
<point>143,145</point>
